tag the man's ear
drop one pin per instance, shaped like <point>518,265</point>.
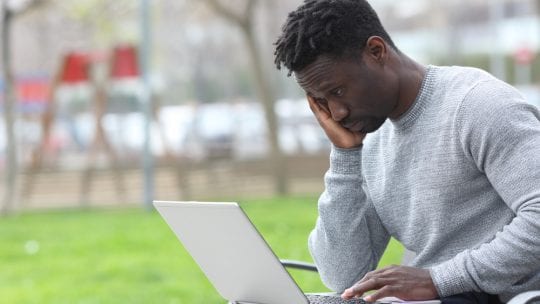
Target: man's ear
<point>376,49</point>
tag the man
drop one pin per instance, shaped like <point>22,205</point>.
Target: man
<point>444,159</point>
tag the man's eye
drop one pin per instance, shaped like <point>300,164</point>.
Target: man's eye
<point>338,92</point>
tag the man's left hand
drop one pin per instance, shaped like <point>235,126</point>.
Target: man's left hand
<point>406,283</point>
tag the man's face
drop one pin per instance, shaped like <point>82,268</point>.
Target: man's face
<point>360,95</point>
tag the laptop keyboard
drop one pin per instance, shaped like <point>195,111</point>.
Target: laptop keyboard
<point>328,299</point>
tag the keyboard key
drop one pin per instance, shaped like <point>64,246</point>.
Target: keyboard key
<point>329,299</point>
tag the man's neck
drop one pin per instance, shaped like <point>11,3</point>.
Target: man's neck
<point>411,74</point>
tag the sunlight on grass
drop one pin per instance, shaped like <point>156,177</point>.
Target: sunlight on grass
<point>131,256</point>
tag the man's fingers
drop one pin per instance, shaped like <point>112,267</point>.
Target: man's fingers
<point>360,288</point>
<point>386,291</point>
<point>407,283</point>
<point>337,134</point>
<point>373,280</point>
<point>313,105</point>
<point>383,272</point>
<point>320,113</point>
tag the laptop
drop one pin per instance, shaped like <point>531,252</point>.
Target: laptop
<point>234,256</point>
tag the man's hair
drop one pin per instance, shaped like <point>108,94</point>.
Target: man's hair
<point>326,27</point>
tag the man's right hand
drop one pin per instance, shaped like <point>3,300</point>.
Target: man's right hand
<point>338,135</point>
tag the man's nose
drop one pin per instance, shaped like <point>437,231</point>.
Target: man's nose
<point>338,110</point>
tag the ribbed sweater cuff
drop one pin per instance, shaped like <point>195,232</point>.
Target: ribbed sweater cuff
<point>447,279</point>
<point>345,161</point>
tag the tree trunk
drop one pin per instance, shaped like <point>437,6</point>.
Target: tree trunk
<point>9,116</point>
<point>267,98</point>
<point>245,23</point>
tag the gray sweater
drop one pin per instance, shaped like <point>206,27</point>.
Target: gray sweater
<point>456,179</point>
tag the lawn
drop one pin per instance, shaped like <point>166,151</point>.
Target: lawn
<point>131,256</point>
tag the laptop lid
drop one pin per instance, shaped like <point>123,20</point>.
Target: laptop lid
<point>231,252</point>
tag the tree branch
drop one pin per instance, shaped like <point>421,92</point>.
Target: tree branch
<point>244,20</point>
<point>249,7</point>
<point>26,7</point>
<point>226,12</point>
<point>248,13</point>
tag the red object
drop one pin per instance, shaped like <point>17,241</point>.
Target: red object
<point>124,62</point>
<point>75,68</point>
<point>524,56</point>
<point>33,90</point>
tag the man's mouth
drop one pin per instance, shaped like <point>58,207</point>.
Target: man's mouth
<point>355,126</point>
<point>367,125</point>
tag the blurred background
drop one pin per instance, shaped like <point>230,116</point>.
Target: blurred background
<point>115,103</point>
<point>210,110</point>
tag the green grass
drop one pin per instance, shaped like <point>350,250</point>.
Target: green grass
<point>131,256</point>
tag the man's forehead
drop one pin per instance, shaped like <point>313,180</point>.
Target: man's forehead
<point>316,73</point>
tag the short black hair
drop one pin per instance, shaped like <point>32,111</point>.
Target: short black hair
<point>326,27</point>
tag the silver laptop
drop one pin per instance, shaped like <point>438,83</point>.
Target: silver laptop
<point>233,255</point>
<point>231,252</point>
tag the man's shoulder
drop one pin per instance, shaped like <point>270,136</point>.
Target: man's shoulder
<point>490,95</point>
<point>460,78</point>
<point>462,71</point>
<point>476,90</point>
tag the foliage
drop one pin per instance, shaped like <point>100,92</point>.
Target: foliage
<point>482,61</point>
<point>131,256</point>
<point>105,17</point>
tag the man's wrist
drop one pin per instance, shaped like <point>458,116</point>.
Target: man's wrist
<point>346,161</point>
<point>447,280</point>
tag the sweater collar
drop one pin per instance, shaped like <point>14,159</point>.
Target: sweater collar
<point>408,118</point>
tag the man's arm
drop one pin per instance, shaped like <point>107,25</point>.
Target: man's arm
<point>502,136</point>
<point>349,238</point>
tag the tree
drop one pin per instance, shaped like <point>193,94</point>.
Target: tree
<point>244,21</point>
<point>11,10</point>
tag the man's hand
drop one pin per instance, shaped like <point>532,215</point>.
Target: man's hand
<point>406,283</point>
<point>338,135</point>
